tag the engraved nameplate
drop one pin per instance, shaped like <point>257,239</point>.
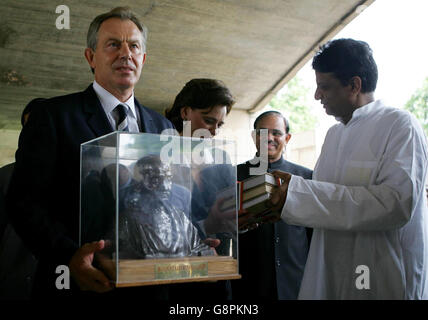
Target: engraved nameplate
<point>181,270</point>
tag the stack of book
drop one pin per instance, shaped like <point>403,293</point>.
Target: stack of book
<point>252,199</point>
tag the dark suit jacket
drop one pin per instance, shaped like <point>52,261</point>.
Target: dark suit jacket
<point>273,256</point>
<point>44,190</point>
<point>17,264</point>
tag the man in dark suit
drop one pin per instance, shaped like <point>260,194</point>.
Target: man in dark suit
<point>44,190</point>
<point>272,256</point>
<point>17,264</point>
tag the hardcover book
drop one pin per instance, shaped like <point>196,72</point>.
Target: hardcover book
<point>252,199</point>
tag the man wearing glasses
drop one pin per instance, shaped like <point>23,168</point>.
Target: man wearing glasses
<point>272,256</point>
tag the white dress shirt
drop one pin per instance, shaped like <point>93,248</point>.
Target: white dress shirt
<point>109,102</point>
<point>367,205</point>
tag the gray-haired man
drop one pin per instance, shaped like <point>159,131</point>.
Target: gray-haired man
<point>44,191</point>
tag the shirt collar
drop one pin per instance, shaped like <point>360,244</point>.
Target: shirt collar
<point>363,111</point>
<point>271,165</point>
<point>109,101</point>
<point>276,164</point>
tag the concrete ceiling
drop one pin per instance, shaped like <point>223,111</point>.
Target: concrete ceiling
<point>254,46</point>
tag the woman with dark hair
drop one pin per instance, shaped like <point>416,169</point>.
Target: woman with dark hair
<point>199,110</point>
<point>205,103</point>
<point>202,106</point>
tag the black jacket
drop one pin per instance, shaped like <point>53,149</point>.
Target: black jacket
<point>43,197</point>
<point>273,256</point>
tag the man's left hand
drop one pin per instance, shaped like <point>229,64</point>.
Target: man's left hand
<point>279,196</point>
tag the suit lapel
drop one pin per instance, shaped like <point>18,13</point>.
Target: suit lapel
<point>145,119</point>
<point>96,117</point>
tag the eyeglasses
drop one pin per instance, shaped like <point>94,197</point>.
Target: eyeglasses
<point>274,132</point>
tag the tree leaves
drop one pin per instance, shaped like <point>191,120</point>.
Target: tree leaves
<point>418,105</point>
<point>293,101</point>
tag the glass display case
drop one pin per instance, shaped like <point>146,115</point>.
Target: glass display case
<point>165,206</point>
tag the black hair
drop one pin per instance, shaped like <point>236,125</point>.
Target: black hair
<point>199,94</point>
<point>347,58</point>
<point>276,113</point>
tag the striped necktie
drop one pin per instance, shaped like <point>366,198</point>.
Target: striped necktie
<point>122,122</point>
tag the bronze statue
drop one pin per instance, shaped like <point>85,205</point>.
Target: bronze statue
<point>154,215</point>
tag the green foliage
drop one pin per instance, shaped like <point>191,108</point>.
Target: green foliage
<point>418,105</point>
<point>293,102</point>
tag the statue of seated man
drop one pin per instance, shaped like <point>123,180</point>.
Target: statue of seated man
<point>154,215</point>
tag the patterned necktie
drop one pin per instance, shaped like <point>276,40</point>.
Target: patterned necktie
<point>122,122</point>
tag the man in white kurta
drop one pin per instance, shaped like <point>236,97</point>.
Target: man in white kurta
<point>367,204</point>
<point>368,209</point>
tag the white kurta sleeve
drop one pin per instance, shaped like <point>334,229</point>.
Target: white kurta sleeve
<point>386,202</point>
